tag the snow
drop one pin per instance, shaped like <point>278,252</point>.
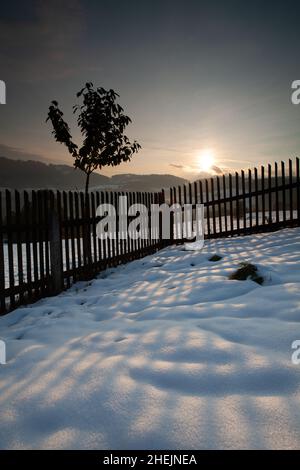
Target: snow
<point>164,352</point>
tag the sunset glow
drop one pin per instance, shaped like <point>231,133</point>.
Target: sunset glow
<point>206,159</point>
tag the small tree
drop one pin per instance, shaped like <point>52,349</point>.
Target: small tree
<point>102,124</point>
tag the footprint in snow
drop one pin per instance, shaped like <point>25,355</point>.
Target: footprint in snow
<point>122,338</point>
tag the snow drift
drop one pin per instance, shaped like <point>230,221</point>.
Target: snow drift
<point>165,352</point>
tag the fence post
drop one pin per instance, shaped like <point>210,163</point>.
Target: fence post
<point>55,249</point>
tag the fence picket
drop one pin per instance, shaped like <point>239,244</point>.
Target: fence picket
<point>291,188</point>
<point>10,253</point>
<point>256,198</point>
<point>283,191</point>
<point>225,204</point>
<point>237,206</point>
<point>244,200</point>
<point>250,197</point>
<point>298,187</point>
<point>19,247</point>
<point>219,205</point>
<point>231,204</point>
<point>207,208</point>
<point>28,246</point>
<point>2,263</point>
<point>66,235</point>
<point>263,194</point>
<point>276,193</point>
<point>270,193</point>
<point>72,234</point>
<point>34,242</point>
<point>213,205</point>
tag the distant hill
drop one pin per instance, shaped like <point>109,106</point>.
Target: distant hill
<point>20,174</point>
<point>131,182</point>
<point>30,174</point>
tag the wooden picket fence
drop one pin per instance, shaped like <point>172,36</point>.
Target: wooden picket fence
<point>252,201</point>
<point>45,235</point>
<point>43,241</point>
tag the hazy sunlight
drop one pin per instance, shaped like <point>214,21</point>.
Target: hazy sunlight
<point>206,159</point>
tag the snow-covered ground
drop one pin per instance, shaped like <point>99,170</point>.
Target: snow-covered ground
<point>165,352</point>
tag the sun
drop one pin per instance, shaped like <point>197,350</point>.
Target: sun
<point>206,159</point>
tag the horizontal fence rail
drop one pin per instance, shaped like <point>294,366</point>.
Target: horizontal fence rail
<point>48,238</point>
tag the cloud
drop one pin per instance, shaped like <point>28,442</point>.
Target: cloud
<point>194,168</point>
<point>176,166</point>
<point>217,170</point>
<point>193,173</point>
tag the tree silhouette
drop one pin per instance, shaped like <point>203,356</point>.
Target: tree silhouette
<point>102,123</point>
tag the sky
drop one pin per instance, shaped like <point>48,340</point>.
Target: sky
<point>196,78</point>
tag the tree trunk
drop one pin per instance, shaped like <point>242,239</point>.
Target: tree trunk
<point>87,182</point>
<point>87,253</point>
